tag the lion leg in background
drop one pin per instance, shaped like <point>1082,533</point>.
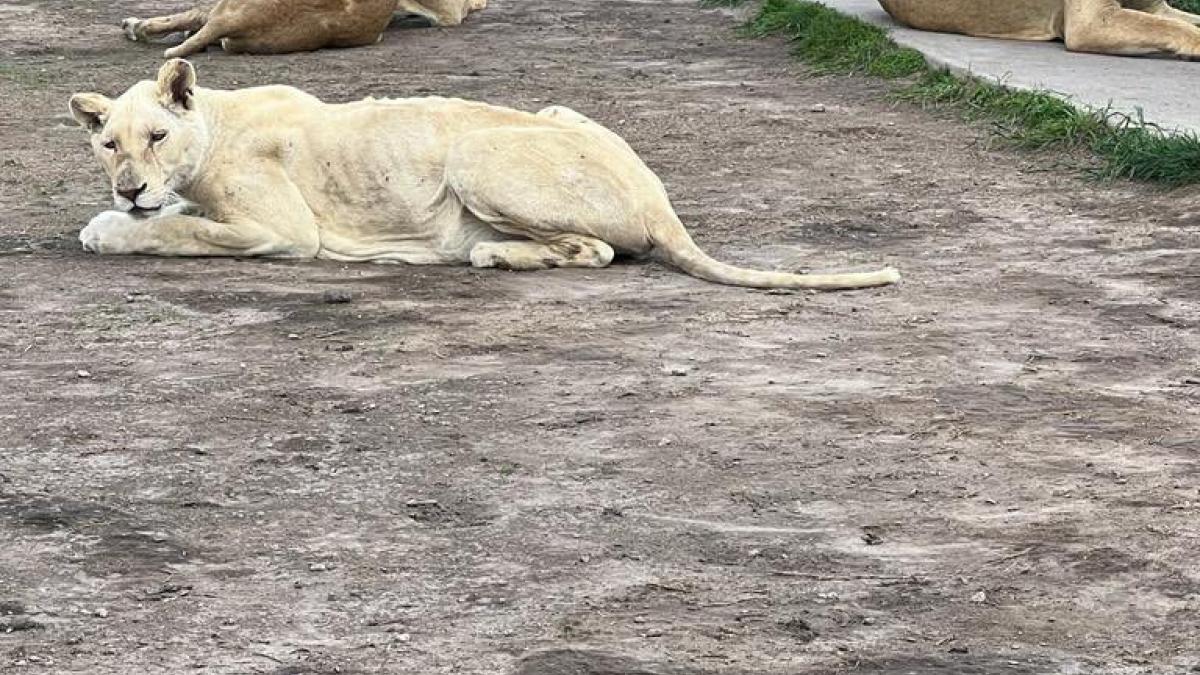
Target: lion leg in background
<point>161,26</point>
<point>1105,27</point>
<point>1161,8</point>
<point>441,12</point>
<point>225,18</point>
<point>210,32</point>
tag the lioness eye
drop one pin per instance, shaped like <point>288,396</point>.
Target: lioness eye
<point>111,145</point>
<point>157,136</point>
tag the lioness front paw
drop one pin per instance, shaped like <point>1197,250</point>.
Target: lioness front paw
<point>130,27</point>
<point>104,232</point>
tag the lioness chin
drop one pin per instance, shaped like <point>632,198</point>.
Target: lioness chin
<point>273,171</point>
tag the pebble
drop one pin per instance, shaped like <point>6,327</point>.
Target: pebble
<point>318,567</point>
<point>337,297</point>
<point>818,108</point>
<point>82,374</point>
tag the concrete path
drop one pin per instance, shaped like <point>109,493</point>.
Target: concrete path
<point>1168,91</point>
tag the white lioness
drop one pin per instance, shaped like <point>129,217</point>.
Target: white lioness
<point>273,171</point>
<point>280,26</point>
<point>1126,27</point>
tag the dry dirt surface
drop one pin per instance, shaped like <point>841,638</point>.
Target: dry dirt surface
<point>212,466</point>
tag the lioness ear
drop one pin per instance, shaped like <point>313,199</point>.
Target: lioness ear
<point>176,80</point>
<point>90,110</point>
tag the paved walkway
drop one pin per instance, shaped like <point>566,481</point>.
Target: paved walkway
<point>1167,90</point>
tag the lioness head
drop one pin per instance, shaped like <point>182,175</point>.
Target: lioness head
<point>150,140</point>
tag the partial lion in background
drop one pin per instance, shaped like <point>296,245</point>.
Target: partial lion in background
<point>1122,27</point>
<point>281,26</point>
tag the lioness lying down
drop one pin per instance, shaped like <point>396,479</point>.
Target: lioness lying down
<point>279,26</point>
<point>1128,27</point>
<point>272,171</point>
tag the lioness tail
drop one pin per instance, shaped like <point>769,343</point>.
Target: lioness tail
<point>678,248</point>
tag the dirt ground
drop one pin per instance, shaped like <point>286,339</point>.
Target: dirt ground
<point>991,468</point>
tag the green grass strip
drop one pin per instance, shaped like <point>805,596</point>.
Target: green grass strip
<point>832,42</point>
<point>1192,6</point>
<point>1028,118</point>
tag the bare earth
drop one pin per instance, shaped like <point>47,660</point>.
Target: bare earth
<point>992,468</point>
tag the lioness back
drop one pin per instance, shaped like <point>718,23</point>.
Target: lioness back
<point>362,166</point>
<point>1011,19</point>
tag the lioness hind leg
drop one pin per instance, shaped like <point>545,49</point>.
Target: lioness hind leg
<point>1106,28</point>
<point>564,251</point>
<point>208,34</point>
<point>1161,8</point>
<point>1179,15</point>
<point>559,186</point>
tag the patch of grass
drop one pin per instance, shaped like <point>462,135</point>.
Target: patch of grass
<point>1140,151</point>
<point>1192,6</point>
<point>835,43</point>
<point>1029,119</point>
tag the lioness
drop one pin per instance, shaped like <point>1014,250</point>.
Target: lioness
<point>1126,27</point>
<point>279,26</point>
<point>273,171</point>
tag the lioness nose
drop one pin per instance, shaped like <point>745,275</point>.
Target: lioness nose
<point>132,195</point>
